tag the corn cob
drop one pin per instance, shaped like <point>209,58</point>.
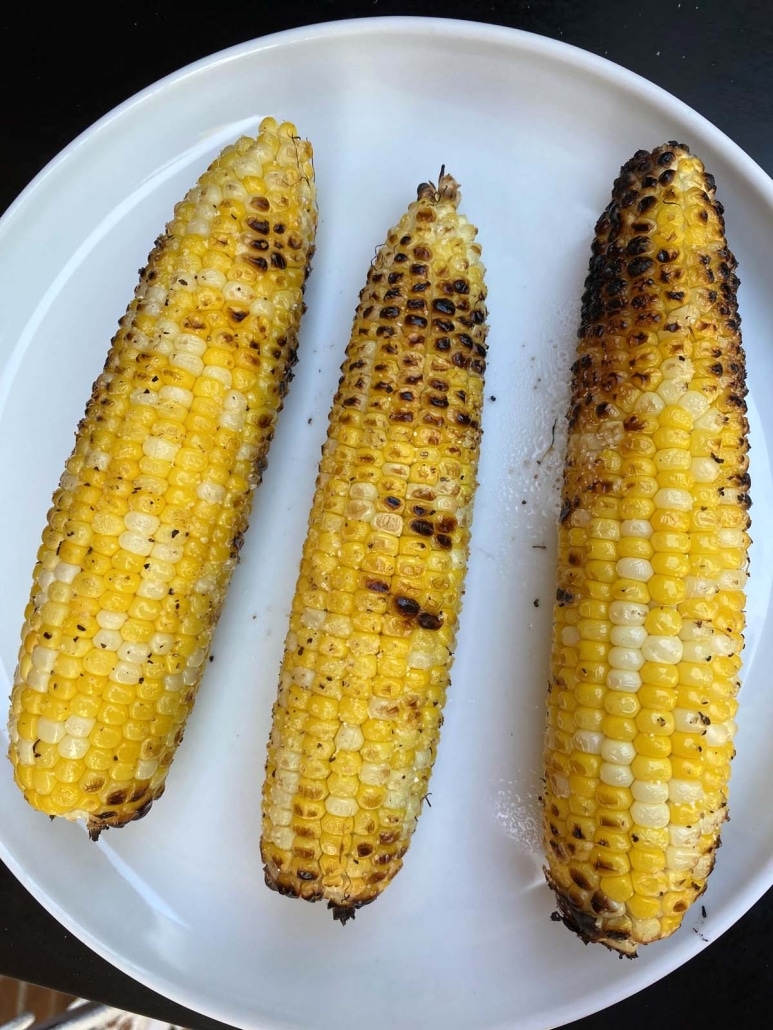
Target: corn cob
<point>374,617</point>
<point>652,557</point>
<point>146,524</point>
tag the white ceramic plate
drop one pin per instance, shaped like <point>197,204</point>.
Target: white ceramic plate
<point>535,131</point>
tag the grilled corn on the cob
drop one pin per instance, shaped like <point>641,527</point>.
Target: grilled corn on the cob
<point>147,522</point>
<point>652,558</point>
<point>374,618</point>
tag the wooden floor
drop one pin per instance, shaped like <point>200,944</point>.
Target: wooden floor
<point>17,997</point>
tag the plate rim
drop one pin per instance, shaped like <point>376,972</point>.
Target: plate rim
<point>463,31</point>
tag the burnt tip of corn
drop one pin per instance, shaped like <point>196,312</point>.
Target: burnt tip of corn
<point>447,188</point>
<point>343,913</point>
<point>588,928</point>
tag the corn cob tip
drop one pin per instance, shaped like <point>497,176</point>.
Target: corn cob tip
<point>447,188</point>
<point>588,928</point>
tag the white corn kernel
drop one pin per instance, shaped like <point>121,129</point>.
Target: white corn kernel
<point>688,721</point>
<point>173,682</point>
<point>110,620</point>
<point>223,375</point>
<point>723,645</point>
<point>731,538</point>
<point>72,747</point>
<point>212,493</point>
<point>303,677</point>
<point>624,679</point>
<point>638,569</point>
<point>651,817</point>
<point>570,636</point>
<point>143,397</point>
<point>136,654</point>
<point>639,529</point>
<point>649,792</point>
<point>671,391</point>
<point>146,768</point>
<point>732,579</point>
<point>628,613</point>
<point>692,630</point>
<point>618,752</point>
<point>279,816</point>
<point>625,658</point>
<point>672,497</point>
<point>667,650</point>
<point>288,759</point>
<point>48,731</point>
<point>697,651</point>
<point>191,345</point>
<point>364,491</point>
<point>649,404</point>
<point>680,860</point>
<point>158,447</point>
<point>211,277</point>
<point>25,749</point>
<point>394,798</point>
<point>680,368</point>
<point>43,658</point>
<point>37,680</point>
<point>422,758</point>
<point>107,639</point>
<point>704,470</point>
<point>135,543</point>
<point>167,552</point>
<point>139,522</point>
<point>177,395</point>
<point>79,726</point>
<point>712,420</point>
<point>697,586</point>
<point>615,775</point>
<point>65,572</point>
<point>153,589</point>
<point>341,806</point>
<point>126,673</point>
<point>587,741</point>
<point>685,792</point>
<point>694,402</point>
<point>374,774</point>
<point>684,836</point>
<point>282,836</point>
<point>719,733</point>
<point>349,738</point>
<point>287,780</point>
<point>628,636</point>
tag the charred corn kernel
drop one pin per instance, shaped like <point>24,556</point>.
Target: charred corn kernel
<point>138,553</point>
<point>399,466</point>
<point>657,430</point>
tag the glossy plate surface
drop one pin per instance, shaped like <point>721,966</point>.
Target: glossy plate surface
<point>535,131</point>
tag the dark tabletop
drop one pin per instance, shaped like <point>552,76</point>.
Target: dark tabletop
<point>74,66</point>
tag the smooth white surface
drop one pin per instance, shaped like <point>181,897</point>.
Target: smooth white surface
<point>535,131</point>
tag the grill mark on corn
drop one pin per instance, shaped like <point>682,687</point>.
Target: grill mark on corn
<point>376,606</point>
<point>147,522</point>
<point>652,555</point>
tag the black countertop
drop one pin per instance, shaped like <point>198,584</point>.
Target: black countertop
<point>75,65</point>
